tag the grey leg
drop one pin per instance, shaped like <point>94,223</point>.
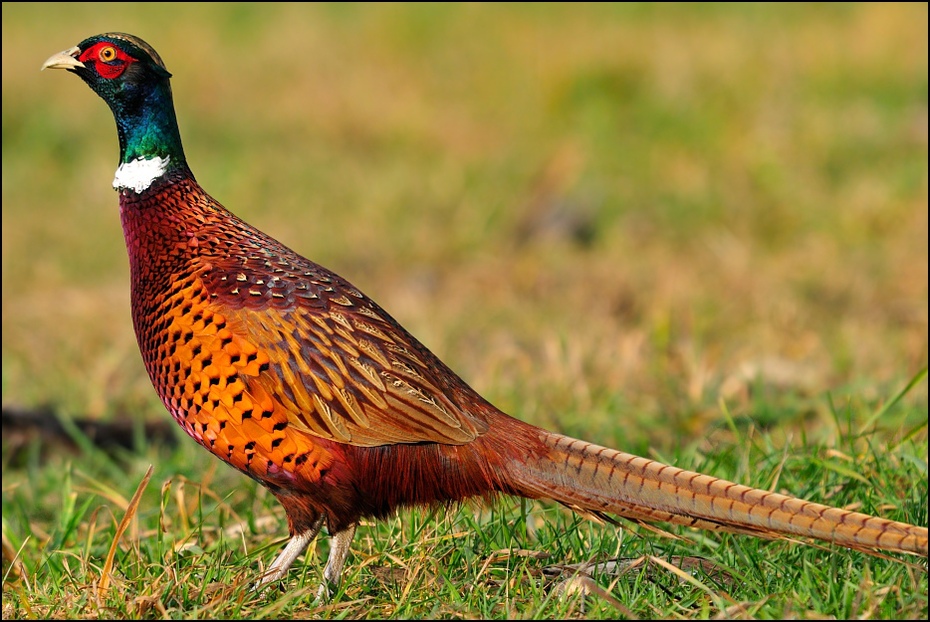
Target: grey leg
<point>297,545</point>
<point>338,551</point>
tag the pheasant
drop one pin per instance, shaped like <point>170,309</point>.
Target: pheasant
<point>287,372</point>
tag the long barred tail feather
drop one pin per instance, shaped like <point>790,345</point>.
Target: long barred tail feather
<point>605,481</point>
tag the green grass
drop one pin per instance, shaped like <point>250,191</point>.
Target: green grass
<point>697,233</point>
<point>199,538</point>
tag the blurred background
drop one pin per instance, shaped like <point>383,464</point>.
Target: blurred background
<point>610,219</point>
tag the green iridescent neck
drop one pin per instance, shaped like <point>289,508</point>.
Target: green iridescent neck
<point>148,128</point>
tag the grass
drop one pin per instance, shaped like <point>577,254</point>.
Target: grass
<point>197,540</point>
<point>697,233</point>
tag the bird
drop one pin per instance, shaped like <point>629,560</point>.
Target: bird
<point>289,373</point>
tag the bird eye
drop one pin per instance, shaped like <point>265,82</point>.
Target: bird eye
<point>107,54</point>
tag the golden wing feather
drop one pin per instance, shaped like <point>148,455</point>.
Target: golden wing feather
<point>340,376</point>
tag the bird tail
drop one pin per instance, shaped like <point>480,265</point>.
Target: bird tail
<point>605,482</point>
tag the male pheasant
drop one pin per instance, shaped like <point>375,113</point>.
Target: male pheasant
<point>290,374</point>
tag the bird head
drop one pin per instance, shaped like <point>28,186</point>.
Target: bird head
<point>117,66</point>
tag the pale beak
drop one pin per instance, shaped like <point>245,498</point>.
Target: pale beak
<point>64,60</point>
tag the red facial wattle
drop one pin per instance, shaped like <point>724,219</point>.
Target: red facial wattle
<point>109,60</point>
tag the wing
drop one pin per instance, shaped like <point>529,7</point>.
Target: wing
<point>339,365</point>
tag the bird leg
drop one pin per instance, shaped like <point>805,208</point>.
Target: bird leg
<point>297,545</point>
<point>338,551</point>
